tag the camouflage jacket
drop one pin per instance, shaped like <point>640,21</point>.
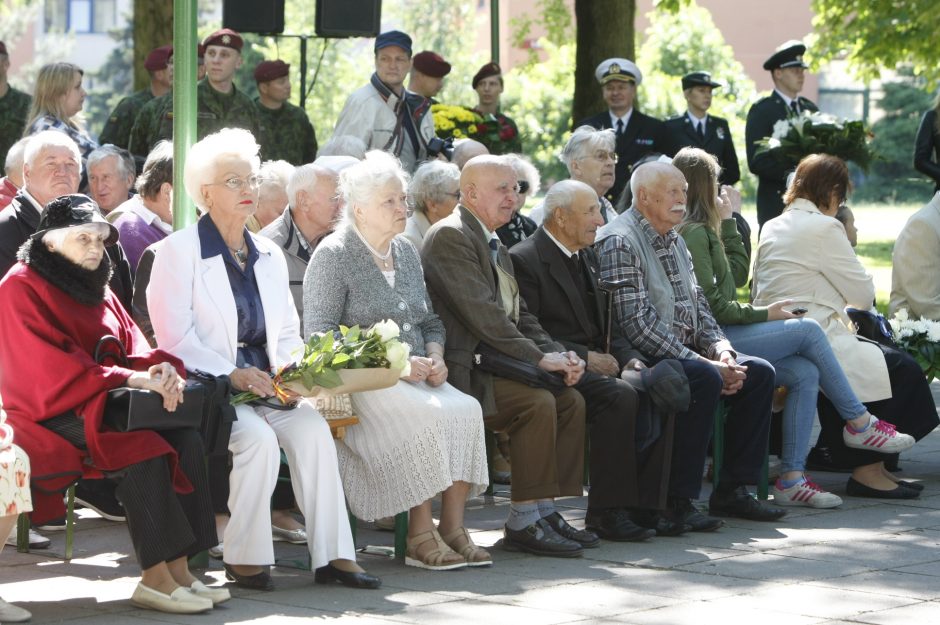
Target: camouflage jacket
<point>117,130</point>
<point>14,111</point>
<point>288,134</point>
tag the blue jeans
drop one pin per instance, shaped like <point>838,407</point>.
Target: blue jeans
<point>800,352</point>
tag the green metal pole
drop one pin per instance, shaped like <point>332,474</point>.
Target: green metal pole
<point>184,105</point>
<point>494,30</point>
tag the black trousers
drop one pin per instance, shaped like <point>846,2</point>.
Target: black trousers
<point>163,524</point>
<point>621,476</point>
<point>746,429</point>
<point>911,408</point>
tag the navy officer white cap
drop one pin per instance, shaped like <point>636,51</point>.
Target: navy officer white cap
<point>618,69</point>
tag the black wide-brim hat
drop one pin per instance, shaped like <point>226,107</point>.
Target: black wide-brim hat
<point>67,211</point>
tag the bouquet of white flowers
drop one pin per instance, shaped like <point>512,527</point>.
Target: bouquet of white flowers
<point>808,133</point>
<point>377,356</point>
<point>920,338</point>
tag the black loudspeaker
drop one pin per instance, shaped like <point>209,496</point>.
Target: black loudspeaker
<point>253,16</point>
<point>348,18</point>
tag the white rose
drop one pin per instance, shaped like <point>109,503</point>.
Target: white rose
<point>781,128</point>
<point>397,354</point>
<point>387,330</point>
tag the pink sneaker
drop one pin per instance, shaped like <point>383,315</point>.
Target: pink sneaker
<point>805,493</point>
<point>880,436</point>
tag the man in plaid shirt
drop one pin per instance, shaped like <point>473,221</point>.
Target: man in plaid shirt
<point>663,312</point>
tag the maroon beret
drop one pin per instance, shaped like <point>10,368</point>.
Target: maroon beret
<point>490,69</point>
<point>269,70</point>
<point>431,64</point>
<point>158,57</point>
<point>3,48</point>
<point>225,37</point>
<point>201,51</point>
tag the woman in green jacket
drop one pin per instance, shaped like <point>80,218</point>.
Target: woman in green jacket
<point>797,348</point>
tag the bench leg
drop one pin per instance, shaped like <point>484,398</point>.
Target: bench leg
<point>401,535</point>
<point>22,533</point>
<point>69,522</point>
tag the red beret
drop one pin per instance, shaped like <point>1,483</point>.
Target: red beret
<point>490,69</point>
<point>200,51</point>
<point>269,70</point>
<point>431,64</point>
<point>3,48</point>
<point>158,57</point>
<point>225,37</point>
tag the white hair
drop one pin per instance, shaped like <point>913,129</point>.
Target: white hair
<point>201,162</point>
<point>562,195</point>
<point>55,238</point>
<point>50,139</point>
<point>344,145</point>
<point>362,181</point>
<point>305,178</point>
<point>124,159</point>
<point>525,170</point>
<point>14,159</point>
<point>274,178</point>
<point>429,183</point>
<point>585,140</point>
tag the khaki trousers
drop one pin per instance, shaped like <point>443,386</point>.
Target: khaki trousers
<point>546,438</point>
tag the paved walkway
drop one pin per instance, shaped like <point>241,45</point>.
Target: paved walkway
<point>865,562</point>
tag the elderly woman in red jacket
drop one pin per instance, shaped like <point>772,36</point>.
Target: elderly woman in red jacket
<point>55,304</point>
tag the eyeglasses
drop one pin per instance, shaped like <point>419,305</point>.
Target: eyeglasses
<point>523,187</point>
<point>603,155</point>
<point>237,184</point>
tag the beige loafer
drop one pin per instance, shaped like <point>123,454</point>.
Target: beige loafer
<point>180,601</point>
<point>215,595</point>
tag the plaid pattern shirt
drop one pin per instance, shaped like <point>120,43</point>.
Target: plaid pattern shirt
<point>634,311</point>
<point>86,145</point>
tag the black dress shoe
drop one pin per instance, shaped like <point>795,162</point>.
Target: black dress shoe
<point>912,485</point>
<point>585,538</point>
<point>258,581</point>
<point>857,489</point>
<point>682,510</point>
<point>652,519</point>
<point>329,573</point>
<point>739,503</point>
<point>615,524</point>
<point>823,459</point>
<point>541,539</point>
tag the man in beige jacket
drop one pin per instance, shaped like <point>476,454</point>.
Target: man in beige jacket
<point>914,282</point>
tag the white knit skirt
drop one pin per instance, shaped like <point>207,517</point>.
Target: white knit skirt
<point>412,442</point>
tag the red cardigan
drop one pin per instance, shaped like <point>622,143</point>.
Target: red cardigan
<point>47,342</point>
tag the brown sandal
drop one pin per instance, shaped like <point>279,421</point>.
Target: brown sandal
<point>439,558</point>
<point>459,540</point>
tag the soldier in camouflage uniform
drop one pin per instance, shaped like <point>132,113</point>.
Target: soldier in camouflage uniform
<point>288,133</point>
<point>219,104</point>
<point>14,109</point>
<point>117,130</point>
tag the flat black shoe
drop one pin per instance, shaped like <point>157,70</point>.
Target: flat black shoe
<point>541,539</point>
<point>329,573</point>
<point>857,489</point>
<point>652,519</point>
<point>912,485</point>
<point>682,510</point>
<point>822,459</point>
<point>615,524</point>
<point>739,503</point>
<point>258,581</point>
<point>585,538</point>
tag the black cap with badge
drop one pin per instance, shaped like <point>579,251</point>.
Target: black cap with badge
<point>698,79</point>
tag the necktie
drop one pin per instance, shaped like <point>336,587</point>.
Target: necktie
<point>619,127</point>
<point>795,106</point>
<point>494,246</point>
<point>701,130</point>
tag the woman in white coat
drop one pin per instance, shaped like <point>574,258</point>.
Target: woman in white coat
<point>805,256</point>
<point>219,300</point>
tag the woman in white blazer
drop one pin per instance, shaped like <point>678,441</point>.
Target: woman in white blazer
<point>805,256</point>
<point>219,300</point>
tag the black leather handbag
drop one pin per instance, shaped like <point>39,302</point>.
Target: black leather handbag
<point>128,409</point>
<point>870,326</point>
<point>499,364</point>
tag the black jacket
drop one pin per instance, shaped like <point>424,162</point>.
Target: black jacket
<point>927,148</point>
<point>21,219</point>
<point>643,135</point>
<point>770,171</point>
<point>717,142</point>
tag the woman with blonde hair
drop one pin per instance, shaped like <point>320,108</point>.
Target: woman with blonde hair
<point>57,105</point>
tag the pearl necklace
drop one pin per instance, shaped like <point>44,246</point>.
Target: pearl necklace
<point>382,257</point>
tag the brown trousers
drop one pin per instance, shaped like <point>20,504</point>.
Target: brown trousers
<point>546,439</point>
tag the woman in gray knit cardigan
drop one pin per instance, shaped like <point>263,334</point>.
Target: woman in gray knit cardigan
<point>421,436</point>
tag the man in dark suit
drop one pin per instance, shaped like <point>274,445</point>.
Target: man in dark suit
<point>696,128</point>
<point>471,284</point>
<point>557,274</point>
<point>637,134</point>
<point>787,69</point>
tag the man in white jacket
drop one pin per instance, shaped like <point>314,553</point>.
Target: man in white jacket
<point>383,113</point>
